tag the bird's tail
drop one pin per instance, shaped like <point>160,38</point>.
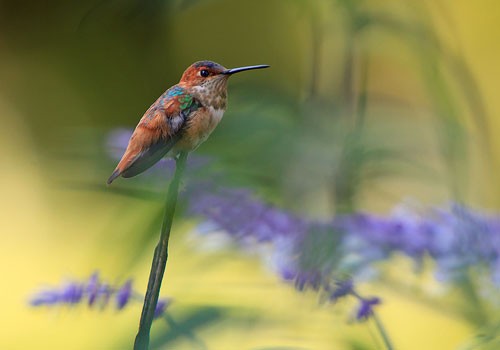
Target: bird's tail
<point>113,176</point>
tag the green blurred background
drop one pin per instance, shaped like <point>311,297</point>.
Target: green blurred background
<point>366,103</point>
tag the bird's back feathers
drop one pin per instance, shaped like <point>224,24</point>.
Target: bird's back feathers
<point>157,132</point>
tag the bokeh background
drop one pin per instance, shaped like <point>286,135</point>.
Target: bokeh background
<point>367,104</point>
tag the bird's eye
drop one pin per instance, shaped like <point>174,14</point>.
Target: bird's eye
<point>204,73</point>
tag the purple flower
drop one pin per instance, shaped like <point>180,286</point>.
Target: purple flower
<point>45,297</point>
<point>304,252</point>
<point>456,237</point>
<point>342,289</point>
<point>71,293</point>
<point>309,279</point>
<point>312,254</point>
<point>365,308</point>
<point>283,259</point>
<point>123,295</point>
<point>92,291</point>
<point>161,306</point>
<point>93,288</point>
<point>242,216</point>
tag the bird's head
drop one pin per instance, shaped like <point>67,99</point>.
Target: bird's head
<point>211,76</point>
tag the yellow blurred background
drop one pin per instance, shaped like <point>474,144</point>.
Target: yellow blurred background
<point>68,73</point>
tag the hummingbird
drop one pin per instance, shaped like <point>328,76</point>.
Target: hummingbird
<point>180,119</point>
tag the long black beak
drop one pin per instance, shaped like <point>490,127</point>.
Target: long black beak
<point>241,69</point>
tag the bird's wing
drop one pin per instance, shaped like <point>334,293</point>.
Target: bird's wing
<point>157,132</point>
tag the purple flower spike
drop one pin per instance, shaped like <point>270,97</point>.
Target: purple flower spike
<point>93,291</point>
<point>123,295</point>
<point>365,308</point>
<point>162,306</point>
<point>343,288</point>
<point>45,297</point>
<point>71,293</point>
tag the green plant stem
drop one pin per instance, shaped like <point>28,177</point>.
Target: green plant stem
<point>382,331</point>
<point>378,323</point>
<point>159,259</point>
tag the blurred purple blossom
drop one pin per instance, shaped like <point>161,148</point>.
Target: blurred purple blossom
<point>241,215</point>
<point>455,237</point>
<point>123,295</point>
<point>161,306</point>
<point>304,252</point>
<point>92,291</point>
<point>342,289</point>
<point>312,254</point>
<point>365,308</point>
